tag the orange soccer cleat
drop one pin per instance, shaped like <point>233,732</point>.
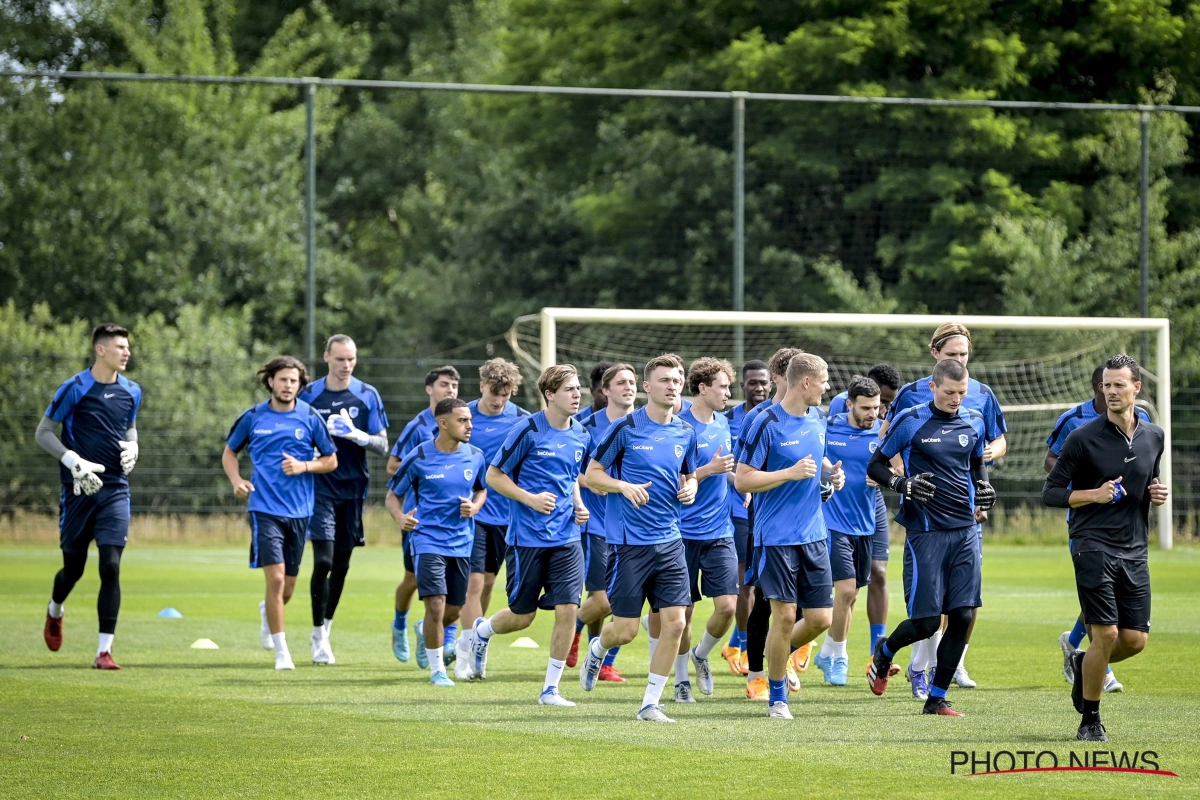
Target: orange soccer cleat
<point>758,689</point>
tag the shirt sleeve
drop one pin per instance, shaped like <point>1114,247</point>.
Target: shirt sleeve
<point>758,443</point>
<point>320,435</point>
<point>691,454</point>
<point>239,434</point>
<point>402,481</point>
<point>897,408</point>
<point>1056,490</point>
<point>899,436</point>
<point>376,418</point>
<point>1059,435</point>
<point>136,391</point>
<point>613,443</point>
<point>480,468</point>
<point>516,447</point>
<point>64,401</point>
<point>981,439</point>
<point>994,417</point>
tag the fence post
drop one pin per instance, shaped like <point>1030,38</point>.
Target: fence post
<point>739,222</point>
<point>310,192</point>
<point>1144,230</point>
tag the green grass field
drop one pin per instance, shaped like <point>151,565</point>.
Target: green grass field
<point>177,722</point>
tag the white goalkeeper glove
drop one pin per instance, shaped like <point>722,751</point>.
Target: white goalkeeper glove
<point>341,425</point>
<point>129,456</point>
<point>84,472</point>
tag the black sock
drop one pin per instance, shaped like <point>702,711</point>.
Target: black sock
<point>319,584</point>
<point>757,626</point>
<point>1091,711</point>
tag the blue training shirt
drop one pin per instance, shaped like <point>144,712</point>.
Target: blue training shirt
<point>638,450</point>
<point>940,443</point>
<point>789,514</point>
<point>365,407</point>
<point>541,458</point>
<point>420,429</point>
<point>708,517</point>
<point>270,436</point>
<point>1070,420</point>
<point>838,404</point>
<point>489,433</point>
<point>95,417</point>
<point>851,510</point>
<point>437,482</point>
<point>595,426</point>
<point>979,398</point>
<point>736,418</point>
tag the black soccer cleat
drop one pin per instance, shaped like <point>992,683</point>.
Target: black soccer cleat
<point>941,707</point>
<point>879,670</point>
<point>1077,686</point>
<point>1092,733</point>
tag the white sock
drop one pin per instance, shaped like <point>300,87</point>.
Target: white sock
<point>681,668</point>
<point>653,647</point>
<point>435,660</point>
<point>654,690</point>
<point>106,640</point>
<point>963,660</point>
<point>319,632</point>
<point>826,647</point>
<point>752,675</point>
<point>931,648</point>
<point>484,629</point>
<point>55,609</point>
<point>328,625</point>
<point>596,649</point>
<point>837,649</point>
<point>916,659</point>
<point>554,671</point>
<point>707,643</point>
<point>280,640</point>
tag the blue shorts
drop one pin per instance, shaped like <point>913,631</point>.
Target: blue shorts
<point>750,577</point>
<point>850,557</point>
<point>741,539</point>
<point>711,566</point>
<point>942,571</point>
<point>408,559</point>
<point>277,540</point>
<point>488,553</point>
<point>444,575</point>
<point>337,520</point>
<point>530,570</point>
<point>595,562</point>
<point>103,517</point>
<point>798,574</point>
<point>881,545</point>
<point>654,572</point>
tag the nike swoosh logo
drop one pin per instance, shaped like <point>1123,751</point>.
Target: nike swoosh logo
<point>338,403</point>
<point>107,395</point>
<point>489,429</point>
<point>946,430</point>
<point>561,446</point>
<point>659,438</point>
<point>1130,459</point>
<point>805,433</point>
<point>715,435</point>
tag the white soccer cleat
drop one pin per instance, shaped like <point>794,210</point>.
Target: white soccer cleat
<point>653,713</point>
<point>1111,684</point>
<point>778,710</point>
<point>284,661</point>
<point>646,623</point>
<point>683,693</point>
<point>322,653</point>
<point>1068,650</point>
<point>551,697</point>
<point>704,679</point>
<point>264,631</point>
<point>963,680</point>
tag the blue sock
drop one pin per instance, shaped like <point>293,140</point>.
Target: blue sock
<point>888,654</point>
<point>401,620</point>
<point>1110,669</point>
<point>590,637</point>
<point>611,658</point>
<point>451,632</point>
<point>741,640</point>
<point>735,638</point>
<point>937,691</point>
<point>877,633</point>
<point>579,626</point>
<point>1077,634</point>
<point>778,690</point>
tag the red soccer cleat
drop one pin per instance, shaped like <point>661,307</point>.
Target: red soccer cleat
<point>941,707</point>
<point>611,675</point>
<point>878,671</point>
<point>52,633</point>
<point>105,661</point>
<point>573,653</point>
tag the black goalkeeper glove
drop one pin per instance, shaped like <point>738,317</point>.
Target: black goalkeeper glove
<point>826,491</point>
<point>985,495</point>
<point>919,487</point>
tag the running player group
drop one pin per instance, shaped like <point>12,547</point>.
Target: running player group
<point>773,509</point>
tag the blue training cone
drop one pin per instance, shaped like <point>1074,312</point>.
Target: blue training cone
<point>170,613</point>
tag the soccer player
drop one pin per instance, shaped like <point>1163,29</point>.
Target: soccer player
<point>1086,411</point>
<point>97,409</point>
<point>756,388</point>
<point>493,416</point>
<point>951,341</point>
<point>354,418</point>
<point>440,384</point>
<point>785,452</point>
<point>282,434</point>
<point>646,465</point>
<point>538,469</point>
<point>619,387</point>
<point>851,439</point>
<point>599,399</point>
<point>1107,474</point>
<point>445,478</point>
<point>944,481</point>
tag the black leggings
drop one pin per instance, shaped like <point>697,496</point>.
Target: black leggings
<point>954,640</point>
<point>757,625</point>
<point>328,579</point>
<point>108,602</point>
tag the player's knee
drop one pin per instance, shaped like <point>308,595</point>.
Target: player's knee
<point>959,619</point>
<point>725,605</point>
<point>671,627</point>
<point>1134,641</point>
<point>785,617</point>
<point>110,571</point>
<point>879,574</point>
<point>846,595</point>
<point>926,626</point>
<point>818,619</point>
<point>1104,635</point>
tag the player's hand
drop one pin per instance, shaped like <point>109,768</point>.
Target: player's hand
<point>827,490</point>
<point>582,515</point>
<point>803,469</point>
<point>466,508</point>
<point>84,472</point>
<point>342,425</point>
<point>543,503</point>
<point>129,456</point>
<point>985,496</point>
<point>409,521</point>
<point>919,488</point>
<point>721,464</point>
<point>1109,492</point>
<point>746,501</point>
<point>242,488</point>
<point>636,493</point>
<point>687,492</point>
<point>989,453</point>
<point>838,476</point>
<point>871,483</point>
<point>292,466</point>
<point>981,515</point>
<point>1158,492</point>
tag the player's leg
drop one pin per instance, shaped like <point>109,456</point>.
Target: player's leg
<point>404,595</point>
<point>318,587</point>
<point>348,534</point>
<point>563,583</point>
<point>64,581</point>
<point>925,555</point>
<point>75,532</point>
<point>720,575</point>
<point>814,589</point>
<point>962,592</point>
<point>108,602</point>
<point>594,609</point>
<point>757,626</point>
<point>877,597</point>
<point>917,671</point>
<point>962,678</point>
<point>732,653</point>
<point>850,563</point>
<point>666,588</point>
<point>525,577</point>
<point>337,584</point>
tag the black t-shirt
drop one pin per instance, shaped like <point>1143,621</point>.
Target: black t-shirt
<point>1093,454</point>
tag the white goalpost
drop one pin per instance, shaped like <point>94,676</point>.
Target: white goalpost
<point>1037,366</point>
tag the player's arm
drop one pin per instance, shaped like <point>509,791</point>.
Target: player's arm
<point>985,495</point>
<point>599,480</point>
<point>393,465</point>
<point>229,462</point>
<point>1050,460</point>
<point>394,507</point>
<point>754,481</point>
<point>920,487</point>
<point>1158,491</point>
<point>294,466</point>
<point>582,515</point>
<point>469,506</point>
<point>83,471</point>
<point>1056,492</point>
<point>996,448</point>
<point>378,442</point>
<point>543,502</point>
<point>720,465</point>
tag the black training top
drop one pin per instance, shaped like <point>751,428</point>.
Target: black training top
<point>1093,454</point>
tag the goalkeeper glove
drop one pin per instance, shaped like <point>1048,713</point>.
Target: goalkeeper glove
<point>919,488</point>
<point>129,456</point>
<point>84,472</point>
<point>826,491</point>
<point>341,425</point>
<point>985,495</point>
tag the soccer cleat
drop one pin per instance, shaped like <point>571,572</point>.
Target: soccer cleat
<point>479,652</point>
<point>105,661</point>
<point>646,622</point>
<point>440,678</point>
<point>793,680</point>
<point>1092,733</point>
<point>733,656</point>
<point>1077,685</point>
<point>462,647</point>
<point>879,670</point>
<point>1068,650</point>
<point>744,663</point>
<point>825,664</point>
<point>1111,684</point>
<point>683,692</point>
<point>893,671</point>
<point>264,630</point>
<point>573,653</point>
<point>321,652</point>
<point>400,642</point>
<point>284,661</point>
<point>758,689</point>
<point>704,681</point>
<point>653,713</point>
<point>919,681</point>
<point>589,670</point>
<point>610,674</point>
<point>52,632</point>
<point>941,707</point>
<point>840,672</point>
<point>779,710</point>
<point>551,697</point>
<point>422,653</point>
<point>962,680</point>
<point>801,657</point>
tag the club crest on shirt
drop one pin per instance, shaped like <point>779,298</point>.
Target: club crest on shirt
<point>872,446</point>
<point>821,436</point>
<point>468,473</point>
<point>963,440</point>
<point>679,451</point>
<point>353,412</point>
<point>299,433</point>
<point>578,456</point>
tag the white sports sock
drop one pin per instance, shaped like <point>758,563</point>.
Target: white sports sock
<point>55,609</point>
<point>916,658</point>
<point>752,675</point>
<point>836,649</point>
<point>319,632</point>
<point>484,629</point>
<point>106,640</point>
<point>707,643</point>
<point>931,648</point>
<point>328,625</point>
<point>681,668</point>
<point>554,671</point>
<point>435,660</point>
<point>596,649</point>
<point>963,660</point>
<point>653,647</point>
<point>654,690</point>
<point>280,640</point>
<point>826,647</point>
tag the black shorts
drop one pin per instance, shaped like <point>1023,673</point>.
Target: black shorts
<point>444,575</point>
<point>103,516</point>
<point>1113,591</point>
<point>647,572</point>
<point>741,540</point>
<point>277,540</point>
<point>490,546</point>
<point>337,520</point>
<point>595,562</point>
<point>850,557</point>
<point>543,577</point>
<point>712,567</point>
<point>796,574</point>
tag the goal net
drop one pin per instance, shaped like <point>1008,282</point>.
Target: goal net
<point>1038,367</point>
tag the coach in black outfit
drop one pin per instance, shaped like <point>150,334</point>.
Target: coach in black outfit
<point>1107,474</point>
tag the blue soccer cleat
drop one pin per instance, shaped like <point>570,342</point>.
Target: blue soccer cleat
<point>400,642</point>
<point>479,652</point>
<point>919,681</point>
<point>440,678</point>
<point>589,670</point>
<point>825,664</point>
<point>839,672</point>
<point>422,654</point>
